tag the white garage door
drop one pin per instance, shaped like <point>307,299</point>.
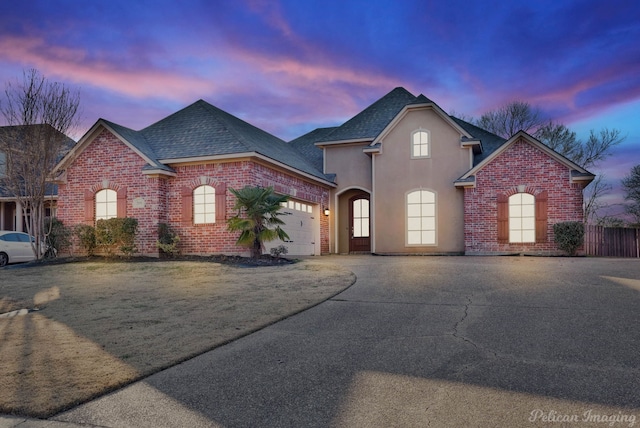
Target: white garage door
<point>301,226</point>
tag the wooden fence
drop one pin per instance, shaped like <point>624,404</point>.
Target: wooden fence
<point>611,241</point>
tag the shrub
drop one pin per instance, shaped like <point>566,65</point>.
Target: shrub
<point>87,236</point>
<point>117,234</point>
<point>167,240</point>
<point>59,236</point>
<point>277,251</point>
<point>569,236</point>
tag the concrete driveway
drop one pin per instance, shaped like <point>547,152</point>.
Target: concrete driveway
<point>420,341</point>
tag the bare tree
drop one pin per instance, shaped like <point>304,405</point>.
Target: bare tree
<point>39,114</point>
<point>593,197</point>
<point>507,120</point>
<point>631,185</point>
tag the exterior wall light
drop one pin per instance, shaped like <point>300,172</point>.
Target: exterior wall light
<point>326,212</point>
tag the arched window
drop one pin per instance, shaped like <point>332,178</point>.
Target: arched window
<point>522,218</point>
<point>204,205</point>
<point>106,204</point>
<point>421,218</point>
<point>360,218</point>
<point>420,144</point>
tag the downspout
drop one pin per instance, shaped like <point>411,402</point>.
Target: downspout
<point>372,204</point>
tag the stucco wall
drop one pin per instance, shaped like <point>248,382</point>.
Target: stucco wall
<point>521,164</point>
<point>106,161</point>
<point>396,173</point>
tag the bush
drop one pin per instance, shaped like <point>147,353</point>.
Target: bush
<point>59,237</point>
<point>87,236</point>
<point>117,234</point>
<point>277,251</point>
<point>569,236</point>
<point>167,240</point>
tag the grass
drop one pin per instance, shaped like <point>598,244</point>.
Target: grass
<point>99,326</point>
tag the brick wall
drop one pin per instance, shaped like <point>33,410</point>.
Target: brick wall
<point>108,163</point>
<point>521,164</point>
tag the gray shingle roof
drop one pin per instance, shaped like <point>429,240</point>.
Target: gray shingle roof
<point>305,144</point>
<point>370,122</point>
<point>490,142</point>
<point>202,130</point>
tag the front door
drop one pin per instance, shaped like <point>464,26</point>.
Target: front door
<point>359,239</point>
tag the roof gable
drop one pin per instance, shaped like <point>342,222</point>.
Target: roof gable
<point>576,172</point>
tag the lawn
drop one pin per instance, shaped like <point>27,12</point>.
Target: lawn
<point>96,326</point>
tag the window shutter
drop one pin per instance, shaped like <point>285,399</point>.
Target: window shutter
<point>541,217</point>
<point>89,206</point>
<point>187,205</point>
<point>121,210</point>
<point>221,202</point>
<point>503,219</point>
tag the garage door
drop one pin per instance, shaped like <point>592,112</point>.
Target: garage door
<point>301,226</point>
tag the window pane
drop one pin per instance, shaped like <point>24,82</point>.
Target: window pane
<point>515,210</point>
<point>101,210</point>
<point>429,197</point>
<point>413,237</point>
<point>357,208</point>
<point>198,218</point>
<point>528,223</point>
<point>429,210</point>
<point>357,227</point>
<point>429,237</point>
<point>528,211</point>
<point>528,236</point>
<point>428,223</point>
<point>527,198</point>
<point>413,210</point>
<point>413,198</point>
<point>413,223</point>
<point>365,227</point>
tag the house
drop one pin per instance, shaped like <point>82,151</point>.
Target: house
<point>11,207</point>
<point>400,177</point>
<point>179,170</point>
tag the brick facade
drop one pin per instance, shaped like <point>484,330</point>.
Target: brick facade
<point>108,163</point>
<point>521,164</point>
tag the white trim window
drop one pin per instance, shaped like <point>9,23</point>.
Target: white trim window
<point>522,218</point>
<point>106,204</point>
<point>421,218</point>
<point>420,142</point>
<point>204,204</point>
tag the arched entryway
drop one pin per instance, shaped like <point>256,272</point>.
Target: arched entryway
<point>354,222</point>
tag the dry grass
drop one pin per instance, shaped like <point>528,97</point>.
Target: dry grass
<point>103,325</point>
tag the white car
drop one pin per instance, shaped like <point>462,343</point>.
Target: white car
<point>15,247</point>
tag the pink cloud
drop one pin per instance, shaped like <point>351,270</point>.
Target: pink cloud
<point>72,64</point>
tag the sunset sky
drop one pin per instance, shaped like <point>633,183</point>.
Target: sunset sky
<point>291,66</point>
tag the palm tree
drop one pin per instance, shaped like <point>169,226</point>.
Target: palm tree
<point>257,213</point>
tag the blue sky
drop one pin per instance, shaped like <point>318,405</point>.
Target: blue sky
<point>291,66</point>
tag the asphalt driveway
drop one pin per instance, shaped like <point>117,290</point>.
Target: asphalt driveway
<point>420,341</point>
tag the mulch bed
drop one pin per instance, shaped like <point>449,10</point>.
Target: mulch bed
<point>264,260</point>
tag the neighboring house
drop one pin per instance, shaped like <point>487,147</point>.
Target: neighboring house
<point>11,210</point>
<point>400,177</point>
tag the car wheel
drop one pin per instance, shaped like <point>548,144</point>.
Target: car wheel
<point>4,259</point>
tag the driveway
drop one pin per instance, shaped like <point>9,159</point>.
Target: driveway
<point>420,341</point>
